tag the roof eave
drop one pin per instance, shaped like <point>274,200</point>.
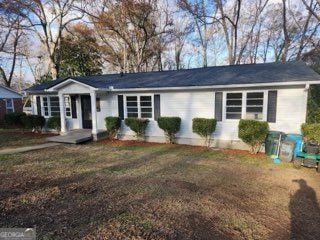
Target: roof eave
<point>271,84</point>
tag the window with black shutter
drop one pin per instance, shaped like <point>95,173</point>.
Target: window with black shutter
<point>157,110</point>
<point>120,107</point>
<point>38,105</point>
<point>218,106</point>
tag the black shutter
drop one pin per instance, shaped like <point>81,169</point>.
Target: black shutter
<point>218,106</point>
<point>272,106</point>
<point>38,106</point>
<point>120,106</point>
<point>74,106</point>
<point>156,104</point>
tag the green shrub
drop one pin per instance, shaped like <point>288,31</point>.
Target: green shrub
<point>34,122</point>
<point>113,125</point>
<point>138,125</point>
<point>253,133</point>
<point>38,122</point>
<point>204,127</point>
<point>54,123</point>
<point>14,119</point>
<point>170,126</point>
<point>27,121</point>
<point>311,131</point>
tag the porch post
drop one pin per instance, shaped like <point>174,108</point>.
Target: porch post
<point>62,114</point>
<point>94,113</point>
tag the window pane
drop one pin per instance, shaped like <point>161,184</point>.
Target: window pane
<point>45,101</point>
<point>234,109</point>
<point>54,106</point>
<point>134,104</point>
<point>146,109</point>
<point>234,95</point>
<point>255,102</point>
<point>132,98</point>
<point>146,104</point>
<point>255,95</point>
<point>145,98</point>
<point>132,109</point>
<point>254,106</point>
<point>146,115</point>
<point>234,106</point>
<point>234,102</point>
<point>132,115</point>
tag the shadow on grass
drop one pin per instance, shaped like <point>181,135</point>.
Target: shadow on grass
<point>305,212</point>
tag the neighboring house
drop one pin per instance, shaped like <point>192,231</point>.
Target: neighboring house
<point>10,101</point>
<point>273,92</point>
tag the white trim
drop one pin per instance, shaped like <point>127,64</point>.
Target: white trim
<point>244,104</point>
<point>70,106</point>
<point>225,105</point>
<point>94,116</point>
<point>138,104</point>
<point>66,82</point>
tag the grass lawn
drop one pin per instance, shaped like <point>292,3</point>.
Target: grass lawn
<point>156,191</point>
<point>16,138</point>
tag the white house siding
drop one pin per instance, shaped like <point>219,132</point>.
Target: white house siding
<point>291,113</point>
<point>291,110</point>
<point>108,106</point>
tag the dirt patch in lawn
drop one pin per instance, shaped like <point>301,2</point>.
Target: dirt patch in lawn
<point>156,191</point>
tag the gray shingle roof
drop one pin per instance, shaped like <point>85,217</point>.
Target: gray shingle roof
<point>210,76</point>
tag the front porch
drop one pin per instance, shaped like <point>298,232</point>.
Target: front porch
<point>79,106</point>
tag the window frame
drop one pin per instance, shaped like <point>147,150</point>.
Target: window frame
<point>138,104</point>
<point>262,105</point>
<point>12,105</point>
<point>49,106</point>
<point>43,107</point>
<point>225,112</point>
<point>244,104</point>
<point>65,108</point>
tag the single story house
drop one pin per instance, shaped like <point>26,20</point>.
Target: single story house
<point>10,101</point>
<point>273,92</point>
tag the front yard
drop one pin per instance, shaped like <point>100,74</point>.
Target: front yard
<point>155,191</point>
<point>18,138</point>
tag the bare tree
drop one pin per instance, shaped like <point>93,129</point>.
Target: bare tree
<point>47,20</point>
<point>203,13</point>
<point>11,34</point>
<point>313,7</point>
<point>181,31</point>
<point>131,38</point>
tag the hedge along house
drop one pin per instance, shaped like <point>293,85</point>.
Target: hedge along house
<point>273,92</point>
<point>10,101</point>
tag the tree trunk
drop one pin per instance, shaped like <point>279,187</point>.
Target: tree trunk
<point>286,42</point>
